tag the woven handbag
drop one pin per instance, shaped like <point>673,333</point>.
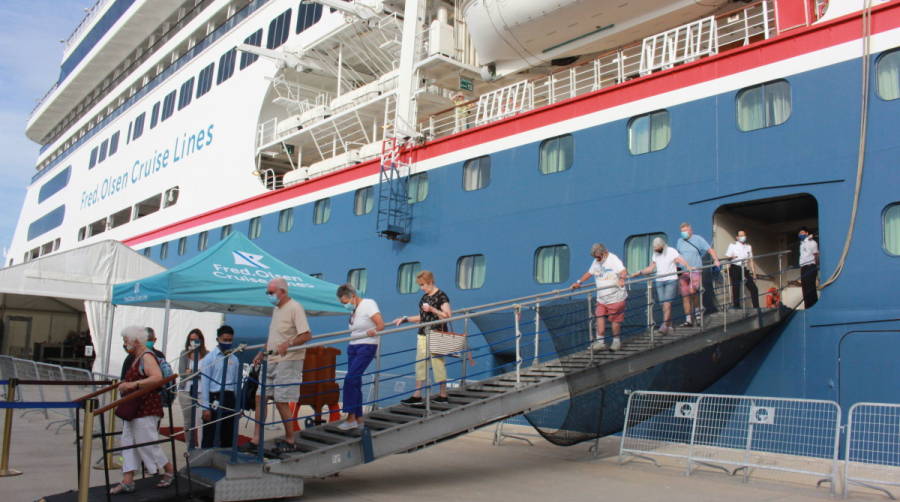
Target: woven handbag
<point>446,343</point>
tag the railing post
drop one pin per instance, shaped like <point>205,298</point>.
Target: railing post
<point>110,440</point>
<point>195,382</point>
<point>263,375</point>
<point>427,372</point>
<point>376,380</point>
<point>650,313</point>
<point>765,13</point>
<point>239,413</point>
<point>590,319</point>
<point>517,312</point>
<point>700,305</point>
<point>5,471</point>
<point>780,275</point>
<point>537,334</point>
<point>87,440</point>
<point>464,370</point>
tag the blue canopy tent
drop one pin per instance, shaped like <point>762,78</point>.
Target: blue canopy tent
<point>229,277</point>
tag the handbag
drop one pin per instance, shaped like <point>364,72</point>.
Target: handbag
<point>446,343</point>
<point>129,409</point>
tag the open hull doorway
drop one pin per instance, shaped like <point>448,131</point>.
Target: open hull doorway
<point>771,225</point>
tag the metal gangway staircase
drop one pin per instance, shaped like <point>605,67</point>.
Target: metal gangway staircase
<point>326,450</point>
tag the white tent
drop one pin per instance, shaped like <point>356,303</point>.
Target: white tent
<point>54,293</point>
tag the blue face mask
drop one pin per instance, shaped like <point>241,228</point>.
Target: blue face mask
<point>273,299</point>
<point>225,346</point>
<point>802,237</point>
<point>685,235</point>
<point>742,239</point>
<point>349,306</point>
<point>150,344</point>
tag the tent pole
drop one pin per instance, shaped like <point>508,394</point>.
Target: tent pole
<point>165,333</point>
<point>109,334</point>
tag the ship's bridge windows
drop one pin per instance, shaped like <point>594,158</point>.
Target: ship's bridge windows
<point>556,154</point>
<point>248,59</point>
<point>255,229</point>
<point>322,211</point>
<point>47,222</point>
<point>887,76</point>
<point>55,184</point>
<point>406,277</point>
<point>168,107</point>
<point>308,14</point>
<point>763,105</point>
<point>226,66</point>
<point>279,29</point>
<point>417,188</point>
<point>286,220</point>
<point>649,133</point>
<point>93,161</point>
<point>97,227</point>
<point>113,144</point>
<point>359,279</point>
<point>182,246</point>
<point>104,146</point>
<point>891,223</point>
<point>204,80</point>
<point>163,250</point>
<point>138,129</point>
<point>171,196</point>
<point>638,249</point>
<point>551,264</point>
<point>120,218</point>
<point>226,231</point>
<point>147,206</point>
<point>363,200</point>
<point>477,173</point>
<point>154,115</point>
<point>203,241</point>
<point>470,271</point>
<point>186,94</point>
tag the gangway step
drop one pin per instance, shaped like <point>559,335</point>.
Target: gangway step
<point>392,417</point>
<point>322,436</point>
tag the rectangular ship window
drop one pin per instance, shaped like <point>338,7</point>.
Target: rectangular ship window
<point>154,115</point>
<point>248,59</point>
<point>147,206</point>
<point>322,211</point>
<point>477,173</point>
<point>406,277</point>
<point>226,66</point>
<point>470,271</point>
<point>113,143</point>
<point>279,29</point>
<point>308,14</point>
<point>204,80</point>
<point>168,107</point>
<point>551,264</point>
<point>763,105</point>
<point>359,279</point>
<point>138,126</point>
<point>363,201</point>
<point>186,94</point>
<point>556,154</point>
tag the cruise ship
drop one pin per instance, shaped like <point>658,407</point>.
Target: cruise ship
<point>492,142</point>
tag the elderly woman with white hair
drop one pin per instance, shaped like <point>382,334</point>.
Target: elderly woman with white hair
<point>664,262</point>
<point>140,416</point>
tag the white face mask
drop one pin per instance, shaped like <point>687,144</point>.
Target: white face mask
<point>742,239</point>
<point>195,344</point>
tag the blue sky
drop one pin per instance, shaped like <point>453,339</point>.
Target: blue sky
<point>30,54</point>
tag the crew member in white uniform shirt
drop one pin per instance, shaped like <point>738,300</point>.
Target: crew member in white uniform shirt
<point>809,267</point>
<point>609,276</point>
<point>742,270</point>
<point>217,400</point>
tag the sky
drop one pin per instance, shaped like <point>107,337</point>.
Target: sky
<point>30,55</point>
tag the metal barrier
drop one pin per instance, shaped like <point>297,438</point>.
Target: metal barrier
<point>744,432</point>
<point>872,450</point>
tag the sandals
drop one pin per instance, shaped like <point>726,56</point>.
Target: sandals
<point>165,480</point>
<point>122,488</point>
<point>282,447</point>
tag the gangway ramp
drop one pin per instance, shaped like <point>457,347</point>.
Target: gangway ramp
<point>327,450</point>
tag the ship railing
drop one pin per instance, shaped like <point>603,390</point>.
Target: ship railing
<point>564,316</point>
<point>735,28</point>
<point>90,14</point>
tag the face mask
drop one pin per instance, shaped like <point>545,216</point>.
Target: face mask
<point>349,306</point>
<point>149,344</point>
<point>802,237</point>
<point>195,344</point>
<point>685,235</point>
<point>742,239</point>
<point>125,348</point>
<point>273,298</point>
<point>658,250</point>
<point>225,346</point>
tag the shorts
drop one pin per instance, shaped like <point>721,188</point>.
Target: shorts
<point>614,311</point>
<point>666,290</point>
<point>689,282</point>
<point>282,374</point>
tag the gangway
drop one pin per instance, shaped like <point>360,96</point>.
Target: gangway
<point>326,449</point>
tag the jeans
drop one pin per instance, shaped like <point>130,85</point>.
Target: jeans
<point>358,358</point>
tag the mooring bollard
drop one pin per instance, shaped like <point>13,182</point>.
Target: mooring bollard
<point>5,471</point>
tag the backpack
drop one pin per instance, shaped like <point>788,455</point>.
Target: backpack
<point>166,393</point>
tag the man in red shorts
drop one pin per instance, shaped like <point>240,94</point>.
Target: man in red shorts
<point>609,275</point>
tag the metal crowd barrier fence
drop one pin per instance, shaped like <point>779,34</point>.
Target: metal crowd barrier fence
<point>744,432</point>
<point>872,449</point>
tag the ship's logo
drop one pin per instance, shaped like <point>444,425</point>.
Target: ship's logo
<point>248,259</point>
<point>684,410</point>
<point>762,415</point>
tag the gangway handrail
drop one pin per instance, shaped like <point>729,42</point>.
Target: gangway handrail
<point>494,307</point>
<point>134,395</point>
<point>97,392</point>
<point>63,382</point>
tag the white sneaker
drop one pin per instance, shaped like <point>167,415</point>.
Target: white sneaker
<point>616,344</point>
<point>346,426</point>
<point>598,345</point>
